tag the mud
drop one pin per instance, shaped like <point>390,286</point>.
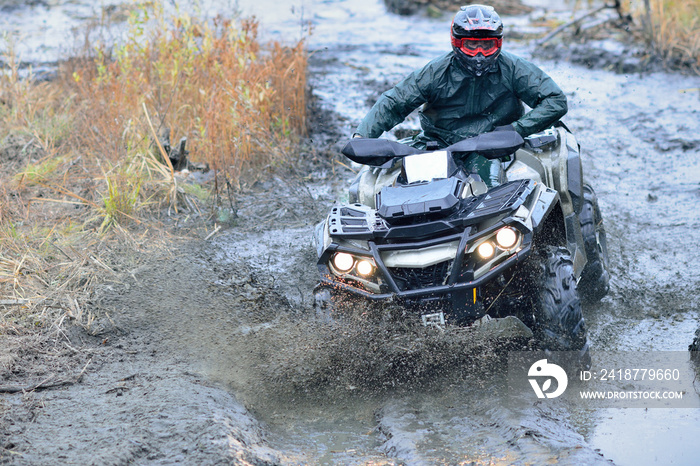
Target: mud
<point>213,354</point>
<point>134,405</point>
<point>8,6</point>
<point>435,7</point>
<point>603,54</point>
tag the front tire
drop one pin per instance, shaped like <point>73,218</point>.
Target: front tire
<point>558,320</point>
<point>595,279</point>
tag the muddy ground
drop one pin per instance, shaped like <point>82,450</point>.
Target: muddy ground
<point>210,353</point>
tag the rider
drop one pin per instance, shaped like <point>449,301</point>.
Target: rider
<point>473,89</point>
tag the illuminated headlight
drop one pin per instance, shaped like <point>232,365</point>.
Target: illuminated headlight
<point>365,268</point>
<point>506,238</point>
<point>486,250</point>
<point>343,261</point>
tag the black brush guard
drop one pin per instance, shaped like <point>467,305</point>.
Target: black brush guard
<point>442,284</point>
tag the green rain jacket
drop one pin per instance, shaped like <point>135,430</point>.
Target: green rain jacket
<point>457,105</point>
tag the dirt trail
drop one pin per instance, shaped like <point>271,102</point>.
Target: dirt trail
<point>213,354</point>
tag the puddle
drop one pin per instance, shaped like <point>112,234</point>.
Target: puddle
<point>655,436</point>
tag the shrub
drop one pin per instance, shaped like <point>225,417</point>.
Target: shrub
<point>239,105</point>
<point>672,29</point>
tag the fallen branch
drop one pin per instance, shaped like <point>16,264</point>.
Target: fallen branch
<point>574,22</point>
<point>45,384</point>
<point>216,230</point>
<point>13,302</point>
<point>596,23</point>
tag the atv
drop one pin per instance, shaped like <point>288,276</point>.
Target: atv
<point>431,243</point>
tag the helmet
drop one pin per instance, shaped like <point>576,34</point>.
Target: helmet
<point>477,38</point>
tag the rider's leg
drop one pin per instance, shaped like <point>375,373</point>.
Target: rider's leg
<point>490,171</point>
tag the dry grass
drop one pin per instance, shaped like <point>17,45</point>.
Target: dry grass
<point>238,105</point>
<point>47,275</point>
<point>676,30</point>
<point>671,28</point>
<point>83,179</point>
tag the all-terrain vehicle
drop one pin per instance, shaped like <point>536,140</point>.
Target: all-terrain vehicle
<point>437,245</point>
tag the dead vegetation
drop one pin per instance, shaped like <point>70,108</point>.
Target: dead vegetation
<point>672,30</point>
<point>666,33</point>
<point>239,105</point>
<point>87,187</point>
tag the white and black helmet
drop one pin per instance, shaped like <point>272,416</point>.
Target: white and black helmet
<point>477,38</point>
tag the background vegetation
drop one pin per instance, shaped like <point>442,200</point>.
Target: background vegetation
<point>83,175</point>
<point>672,29</point>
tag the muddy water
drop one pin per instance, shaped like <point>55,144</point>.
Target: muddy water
<point>641,137</point>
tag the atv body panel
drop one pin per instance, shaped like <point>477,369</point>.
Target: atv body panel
<point>448,244</point>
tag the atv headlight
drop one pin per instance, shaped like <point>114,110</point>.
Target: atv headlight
<point>364,268</point>
<point>506,238</point>
<point>492,249</point>
<point>357,270</point>
<point>486,250</point>
<point>343,261</point>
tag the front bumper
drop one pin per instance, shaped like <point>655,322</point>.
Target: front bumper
<point>329,281</point>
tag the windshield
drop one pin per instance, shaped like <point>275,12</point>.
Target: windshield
<point>426,167</point>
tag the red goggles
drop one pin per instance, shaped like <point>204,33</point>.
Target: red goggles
<point>471,46</point>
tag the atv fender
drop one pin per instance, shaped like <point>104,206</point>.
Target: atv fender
<point>322,238</point>
<point>553,158</point>
<point>369,181</point>
<point>553,227</point>
<point>568,173</point>
<point>546,200</point>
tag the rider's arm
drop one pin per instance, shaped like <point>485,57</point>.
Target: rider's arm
<point>396,104</point>
<point>547,101</point>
